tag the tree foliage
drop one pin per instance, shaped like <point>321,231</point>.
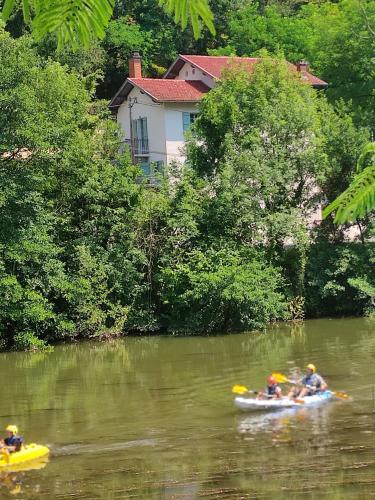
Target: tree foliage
<point>68,266</point>
<point>340,279</point>
<point>218,289</point>
<point>224,242</point>
<point>337,38</point>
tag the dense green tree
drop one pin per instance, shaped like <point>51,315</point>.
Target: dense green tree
<point>271,150</point>
<point>251,31</point>
<point>68,266</point>
<point>86,62</point>
<point>337,38</point>
<point>342,49</point>
<point>124,36</point>
<point>265,127</point>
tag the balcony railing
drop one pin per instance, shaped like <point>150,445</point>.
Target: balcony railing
<point>138,146</point>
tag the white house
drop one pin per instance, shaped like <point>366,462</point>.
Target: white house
<point>155,113</point>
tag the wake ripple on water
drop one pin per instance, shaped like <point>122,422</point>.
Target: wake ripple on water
<point>78,449</point>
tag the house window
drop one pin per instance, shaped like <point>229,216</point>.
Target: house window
<point>145,166</point>
<point>159,167</point>
<point>187,120</point>
<point>140,136</point>
<point>150,169</point>
<point>152,172</point>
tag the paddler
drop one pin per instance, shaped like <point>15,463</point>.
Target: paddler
<point>11,443</point>
<point>272,391</point>
<point>312,383</point>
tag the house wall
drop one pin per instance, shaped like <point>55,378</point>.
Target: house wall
<point>164,124</point>
<point>144,107</point>
<point>191,72</point>
<point>175,140</point>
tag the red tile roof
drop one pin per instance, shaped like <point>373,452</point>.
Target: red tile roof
<point>214,65</point>
<point>171,90</point>
<point>168,89</point>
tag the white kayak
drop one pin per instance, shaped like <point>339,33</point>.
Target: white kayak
<point>274,404</point>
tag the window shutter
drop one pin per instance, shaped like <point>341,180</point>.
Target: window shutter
<point>144,128</point>
<point>139,129</point>
<point>185,121</point>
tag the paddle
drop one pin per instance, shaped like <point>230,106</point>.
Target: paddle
<point>281,379</point>
<point>241,389</point>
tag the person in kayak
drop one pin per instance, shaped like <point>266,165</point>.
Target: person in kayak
<point>11,443</point>
<point>272,391</point>
<point>312,383</point>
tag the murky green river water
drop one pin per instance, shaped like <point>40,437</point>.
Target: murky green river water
<point>154,417</point>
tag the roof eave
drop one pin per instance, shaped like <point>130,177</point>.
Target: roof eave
<point>180,100</point>
<point>319,86</point>
<point>131,85</point>
<point>199,67</point>
<point>121,94</point>
<point>170,74</point>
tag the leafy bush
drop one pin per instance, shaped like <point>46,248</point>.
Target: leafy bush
<point>27,341</point>
<point>340,279</point>
<point>221,291</point>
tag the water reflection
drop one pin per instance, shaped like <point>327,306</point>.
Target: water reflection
<point>285,426</point>
<point>13,477</point>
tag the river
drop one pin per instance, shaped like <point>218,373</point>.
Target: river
<point>153,417</point>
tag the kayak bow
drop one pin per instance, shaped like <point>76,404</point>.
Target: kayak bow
<point>27,453</point>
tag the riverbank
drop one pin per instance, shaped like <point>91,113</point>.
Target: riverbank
<point>293,325</point>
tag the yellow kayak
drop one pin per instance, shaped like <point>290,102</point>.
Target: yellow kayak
<point>27,453</point>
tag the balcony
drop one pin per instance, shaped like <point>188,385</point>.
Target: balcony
<point>137,146</point>
<point>140,146</point>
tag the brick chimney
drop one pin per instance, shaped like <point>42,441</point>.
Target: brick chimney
<point>303,66</point>
<point>135,66</point>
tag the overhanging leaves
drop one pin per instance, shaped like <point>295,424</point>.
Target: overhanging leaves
<point>193,9</point>
<point>75,22</point>
<point>369,149</point>
<point>359,198</point>
<point>7,9</point>
<point>355,201</point>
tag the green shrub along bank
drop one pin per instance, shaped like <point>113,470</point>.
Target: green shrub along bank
<point>89,250</point>
<point>340,279</point>
<point>220,290</point>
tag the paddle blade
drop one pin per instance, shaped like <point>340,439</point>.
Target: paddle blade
<point>280,378</point>
<point>341,395</point>
<point>239,389</point>
<point>300,401</point>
